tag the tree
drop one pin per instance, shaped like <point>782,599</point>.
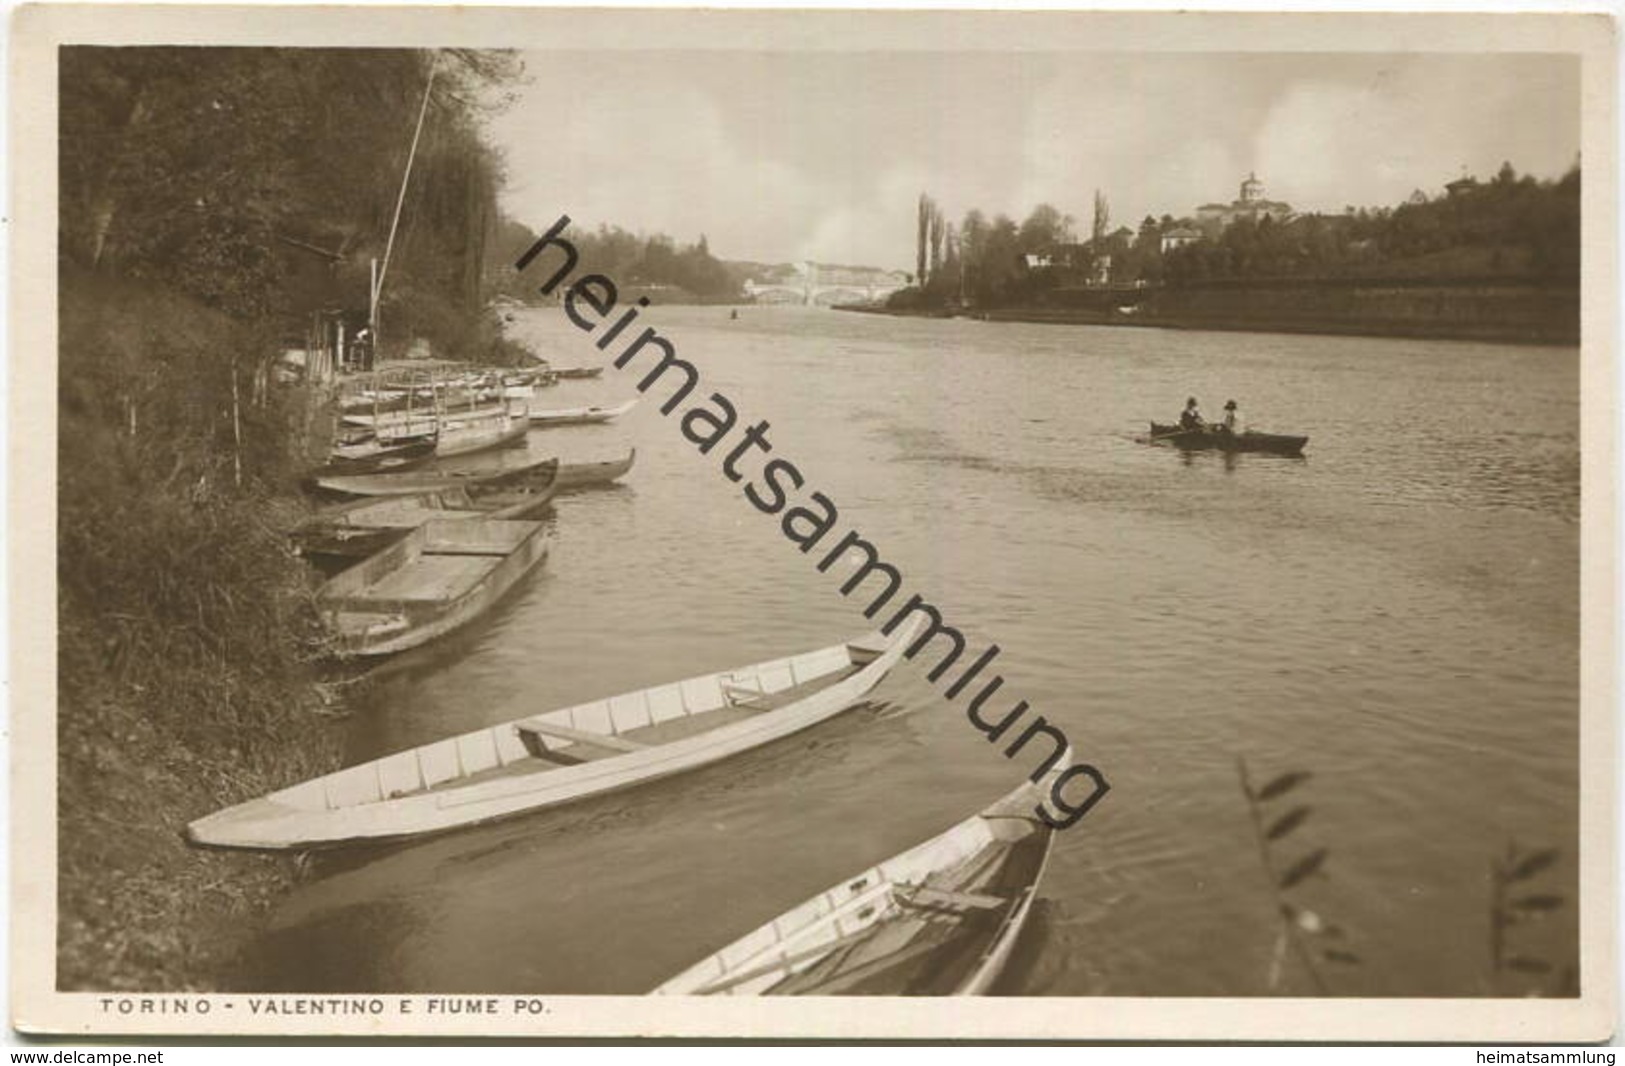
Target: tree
<point>937,231</point>
<point>190,167</point>
<point>1001,258</point>
<point>1044,228</point>
<point>923,234</point>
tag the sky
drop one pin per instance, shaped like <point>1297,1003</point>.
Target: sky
<point>784,156</point>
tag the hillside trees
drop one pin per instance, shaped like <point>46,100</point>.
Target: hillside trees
<point>193,167</point>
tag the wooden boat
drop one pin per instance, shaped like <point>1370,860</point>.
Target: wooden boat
<point>577,373</point>
<point>440,576</point>
<point>403,421</point>
<point>476,429</point>
<point>371,524</point>
<point>940,919</point>
<point>418,482</point>
<point>581,475</point>
<point>1217,438</point>
<point>375,458</point>
<point>563,755</point>
<point>580,416</point>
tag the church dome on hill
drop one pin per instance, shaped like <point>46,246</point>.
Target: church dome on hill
<point>1250,203</point>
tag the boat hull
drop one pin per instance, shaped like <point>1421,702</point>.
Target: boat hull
<point>360,529</point>
<point>466,436</point>
<point>818,947</point>
<point>443,575</point>
<point>495,773</point>
<point>1219,439</point>
<point>374,458</point>
<point>415,483</point>
<point>580,416</point>
<point>584,475</point>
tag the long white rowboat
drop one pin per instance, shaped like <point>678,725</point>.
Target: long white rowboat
<point>940,919</point>
<point>581,416</point>
<point>542,761</point>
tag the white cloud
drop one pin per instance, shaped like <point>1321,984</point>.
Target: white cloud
<point>823,155</point>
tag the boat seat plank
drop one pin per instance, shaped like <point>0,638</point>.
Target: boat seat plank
<point>579,736</point>
<point>741,695</point>
<point>936,897</point>
<point>469,549</point>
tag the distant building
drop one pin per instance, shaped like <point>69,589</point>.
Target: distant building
<point>1178,237</point>
<point>1418,198</point>
<point>1069,256</point>
<point>1461,185</point>
<point>1251,204</point>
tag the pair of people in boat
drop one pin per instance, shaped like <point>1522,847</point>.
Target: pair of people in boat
<point>1191,418</point>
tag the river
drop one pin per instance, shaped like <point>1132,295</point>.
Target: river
<point>1395,613</point>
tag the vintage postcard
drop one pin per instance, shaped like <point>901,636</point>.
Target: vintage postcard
<point>535,522</point>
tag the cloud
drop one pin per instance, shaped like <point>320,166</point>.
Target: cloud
<point>823,155</point>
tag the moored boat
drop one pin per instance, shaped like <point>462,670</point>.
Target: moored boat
<point>371,457</point>
<point>580,416</point>
<point>359,529</point>
<point>480,428</point>
<point>420,481</point>
<point>1217,438</point>
<point>571,373</point>
<point>939,919</point>
<point>548,759</point>
<point>440,576</point>
<point>581,475</point>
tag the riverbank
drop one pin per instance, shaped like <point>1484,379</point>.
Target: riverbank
<point>185,638</point>
<point>1495,311</point>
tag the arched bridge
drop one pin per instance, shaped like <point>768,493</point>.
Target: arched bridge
<point>827,286</point>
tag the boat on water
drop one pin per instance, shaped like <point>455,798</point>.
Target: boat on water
<point>485,479</point>
<point>939,919</point>
<point>576,373</point>
<point>1217,438</point>
<point>415,482</point>
<point>358,529</point>
<point>581,416</point>
<point>440,576</point>
<point>582,475</point>
<point>547,759</point>
<point>479,428</point>
<point>374,457</point>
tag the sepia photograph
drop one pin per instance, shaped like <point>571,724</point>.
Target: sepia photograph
<point>658,522</point>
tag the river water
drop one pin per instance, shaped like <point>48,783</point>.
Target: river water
<point>1396,613</point>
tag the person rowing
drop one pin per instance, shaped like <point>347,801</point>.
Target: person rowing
<point>1191,418</point>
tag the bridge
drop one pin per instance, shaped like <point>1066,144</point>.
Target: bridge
<point>821,286</point>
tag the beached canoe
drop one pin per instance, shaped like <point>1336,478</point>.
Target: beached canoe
<point>940,919</point>
<point>372,523</point>
<point>564,755</point>
<point>1217,438</point>
<point>418,482</point>
<point>440,576</point>
<point>580,416</point>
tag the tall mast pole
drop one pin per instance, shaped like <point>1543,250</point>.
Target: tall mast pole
<point>400,199</point>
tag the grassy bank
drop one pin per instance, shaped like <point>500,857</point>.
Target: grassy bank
<point>185,632</point>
